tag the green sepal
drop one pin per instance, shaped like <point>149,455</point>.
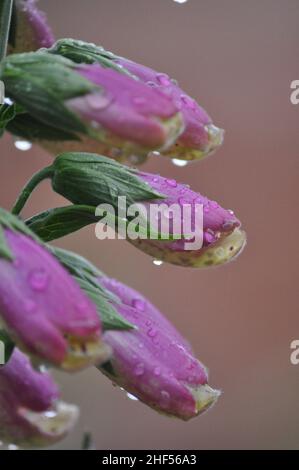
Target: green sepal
<point>86,53</point>
<point>8,345</point>
<point>91,179</point>
<point>26,126</point>
<point>41,83</point>
<point>86,275</point>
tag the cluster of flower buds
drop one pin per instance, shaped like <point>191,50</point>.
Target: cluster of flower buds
<point>200,136</point>
<point>56,308</point>
<point>87,107</point>
<point>105,104</point>
<point>150,360</point>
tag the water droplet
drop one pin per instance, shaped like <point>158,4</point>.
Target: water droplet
<point>165,395</point>
<point>139,369</point>
<point>171,182</point>
<point>178,162</point>
<point>180,1</point>
<point>8,101</point>
<point>12,447</point>
<point>230,212</point>
<point>38,279</point>
<point>155,153</point>
<point>188,102</point>
<point>139,304</point>
<point>157,262</point>
<point>152,333</point>
<point>23,145</point>
<point>98,101</point>
<point>163,79</point>
<point>50,414</point>
<point>95,125</point>
<point>132,397</point>
<point>209,236</point>
<point>228,224</point>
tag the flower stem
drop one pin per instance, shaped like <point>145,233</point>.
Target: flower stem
<point>29,187</point>
<point>5,17</point>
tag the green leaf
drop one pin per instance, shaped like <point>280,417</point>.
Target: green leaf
<point>6,346</point>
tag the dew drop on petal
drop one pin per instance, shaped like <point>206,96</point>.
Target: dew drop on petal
<point>38,279</point>
<point>139,369</point>
<point>172,183</point>
<point>139,304</point>
<point>98,101</point>
<point>165,396</point>
<point>152,332</point>
<point>163,79</point>
<point>188,102</point>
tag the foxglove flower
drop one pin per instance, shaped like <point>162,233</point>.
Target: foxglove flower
<point>200,137</point>
<point>43,308</point>
<point>72,106</point>
<point>30,29</point>
<point>31,413</point>
<point>153,362</point>
<point>222,237</point>
<point>91,180</point>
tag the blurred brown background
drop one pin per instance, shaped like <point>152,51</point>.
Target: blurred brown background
<point>238,59</point>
